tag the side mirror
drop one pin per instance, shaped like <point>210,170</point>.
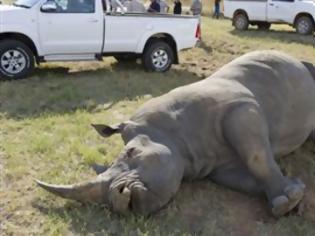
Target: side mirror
<point>49,6</point>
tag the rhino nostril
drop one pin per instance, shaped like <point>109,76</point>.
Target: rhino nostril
<point>121,189</point>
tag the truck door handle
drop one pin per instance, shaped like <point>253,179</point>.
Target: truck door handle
<point>93,20</point>
<point>271,4</point>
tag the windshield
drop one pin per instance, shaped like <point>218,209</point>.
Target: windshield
<point>25,3</point>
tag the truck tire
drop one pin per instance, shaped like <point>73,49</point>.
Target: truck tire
<point>263,25</point>
<point>158,56</point>
<point>304,25</point>
<point>240,21</point>
<point>16,60</point>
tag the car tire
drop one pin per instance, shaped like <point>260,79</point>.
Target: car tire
<point>158,56</point>
<point>240,21</point>
<point>304,25</point>
<point>16,60</point>
<point>263,25</point>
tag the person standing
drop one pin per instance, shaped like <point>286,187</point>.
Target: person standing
<point>154,7</point>
<point>217,8</point>
<point>177,7</point>
<point>134,6</point>
<point>164,8</point>
<point>196,7</point>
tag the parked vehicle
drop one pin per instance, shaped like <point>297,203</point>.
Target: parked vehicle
<point>299,14</point>
<point>56,30</point>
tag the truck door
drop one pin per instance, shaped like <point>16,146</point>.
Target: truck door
<point>70,27</point>
<point>280,10</point>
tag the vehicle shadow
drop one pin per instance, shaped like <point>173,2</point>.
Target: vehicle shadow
<point>278,35</point>
<point>60,89</point>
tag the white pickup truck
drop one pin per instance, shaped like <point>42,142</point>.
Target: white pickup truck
<point>298,13</point>
<point>72,30</point>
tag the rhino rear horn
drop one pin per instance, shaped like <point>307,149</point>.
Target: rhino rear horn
<point>93,191</point>
<point>106,130</point>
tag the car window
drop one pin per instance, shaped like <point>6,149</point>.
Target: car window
<point>283,0</point>
<point>75,6</point>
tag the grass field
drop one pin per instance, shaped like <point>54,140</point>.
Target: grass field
<point>45,134</point>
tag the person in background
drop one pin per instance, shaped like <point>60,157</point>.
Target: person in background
<point>134,6</point>
<point>164,8</point>
<point>196,7</point>
<point>154,6</point>
<point>216,9</point>
<point>177,7</point>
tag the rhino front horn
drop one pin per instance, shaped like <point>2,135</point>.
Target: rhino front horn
<point>93,191</point>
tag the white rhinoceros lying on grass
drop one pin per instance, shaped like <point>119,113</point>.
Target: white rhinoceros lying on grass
<point>227,128</point>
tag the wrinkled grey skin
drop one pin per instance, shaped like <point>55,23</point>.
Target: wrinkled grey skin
<point>228,128</point>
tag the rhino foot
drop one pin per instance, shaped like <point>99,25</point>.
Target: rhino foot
<point>293,194</point>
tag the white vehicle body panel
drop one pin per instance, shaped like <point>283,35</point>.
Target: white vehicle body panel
<point>19,20</point>
<point>272,11</point>
<point>75,36</point>
<point>142,27</point>
<point>64,33</point>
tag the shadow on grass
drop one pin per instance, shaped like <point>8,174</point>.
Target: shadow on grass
<point>279,35</point>
<point>194,211</point>
<point>59,90</point>
<point>208,49</point>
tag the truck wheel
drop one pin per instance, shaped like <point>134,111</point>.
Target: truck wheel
<point>263,25</point>
<point>158,57</point>
<point>16,60</point>
<point>304,25</point>
<point>240,21</point>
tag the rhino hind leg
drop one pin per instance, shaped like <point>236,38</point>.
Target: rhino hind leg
<point>237,177</point>
<point>247,132</point>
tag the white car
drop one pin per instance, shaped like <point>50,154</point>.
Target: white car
<point>71,30</point>
<point>298,13</point>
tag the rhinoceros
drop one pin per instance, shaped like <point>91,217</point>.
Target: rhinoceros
<point>228,128</point>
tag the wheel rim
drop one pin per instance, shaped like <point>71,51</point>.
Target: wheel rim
<point>160,58</point>
<point>240,22</point>
<point>13,61</point>
<point>303,26</point>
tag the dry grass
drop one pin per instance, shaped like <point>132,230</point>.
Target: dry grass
<point>45,134</point>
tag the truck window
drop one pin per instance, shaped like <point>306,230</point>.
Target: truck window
<point>75,6</point>
<point>283,0</point>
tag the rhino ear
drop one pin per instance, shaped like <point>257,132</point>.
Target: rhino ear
<point>107,131</point>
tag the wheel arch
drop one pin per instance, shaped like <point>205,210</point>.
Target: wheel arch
<point>166,38</point>
<point>303,14</point>
<point>22,38</point>
<point>240,11</point>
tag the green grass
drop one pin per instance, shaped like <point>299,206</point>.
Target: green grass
<point>45,134</point>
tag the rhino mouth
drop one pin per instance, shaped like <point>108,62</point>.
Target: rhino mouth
<point>124,191</point>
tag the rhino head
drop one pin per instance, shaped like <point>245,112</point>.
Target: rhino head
<point>142,179</point>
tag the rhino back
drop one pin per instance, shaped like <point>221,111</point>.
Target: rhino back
<point>284,89</point>
<point>191,115</point>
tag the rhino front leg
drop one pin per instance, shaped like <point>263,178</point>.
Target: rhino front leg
<point>247,132</point>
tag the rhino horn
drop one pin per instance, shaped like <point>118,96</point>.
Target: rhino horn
<point>93,191</point>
